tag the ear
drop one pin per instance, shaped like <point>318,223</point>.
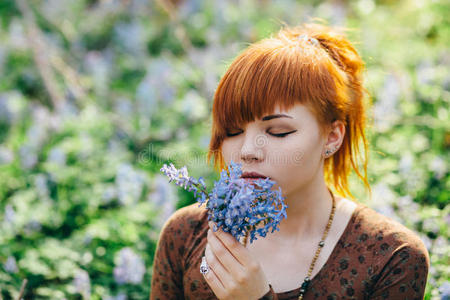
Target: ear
<point>334,138</point>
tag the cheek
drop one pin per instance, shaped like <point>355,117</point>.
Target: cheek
<point>288,154</point>
<point>229,151</point>
<point>295,163</point>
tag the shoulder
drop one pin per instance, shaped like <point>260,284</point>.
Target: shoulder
<point>186,219</point>
<point>385,237</point>
<point>393,257</point>
<point>381,227</point>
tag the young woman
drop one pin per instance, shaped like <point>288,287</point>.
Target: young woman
<point>291,108</point>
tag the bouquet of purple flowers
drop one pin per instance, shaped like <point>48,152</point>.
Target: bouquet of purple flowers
<point>236,205</point>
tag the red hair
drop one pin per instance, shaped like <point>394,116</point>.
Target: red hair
<point>285,70</point>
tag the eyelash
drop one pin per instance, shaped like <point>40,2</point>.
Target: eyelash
<point>279,135</point>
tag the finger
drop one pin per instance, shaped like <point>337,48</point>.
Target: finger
<point>238,251</point>
<point>223,254</point>
<point>222,272</point>
<point>211,277</point>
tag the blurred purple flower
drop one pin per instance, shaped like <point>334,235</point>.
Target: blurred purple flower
<point>188,8</point>
<point>28,156</point>
<point>336,12</point>
<point>438,166</point>
<point>426,241</point>
<point>425,72</point>
<point>87,239</point>
<point>385,109</point>
<point>130,267</point>
<point>131,36</point>
<point>55,9</point>
<point>82,283</point>
<point>140,7</point>
<point>123,107</point>
<point>163,198</point>
<point>109,193</point>
<point>99,66</point>
<point>32,226</point>
<point>3,55</point>
<point>40,182</point>
<point>120,296</point>
<point>18,36</point>
<point>5,112</point>
<point>156,86</point>
<point>431,225</point>
<point>10,214</point>
<point>10,265</point>
<point>6,155</point>
<point>194,106</point>
<point>130,184</point>
<point>57,156</point>
<point>406,163</point>
<point>444,290</point>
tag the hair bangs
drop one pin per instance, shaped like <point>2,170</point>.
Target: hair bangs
<point>271,74</point>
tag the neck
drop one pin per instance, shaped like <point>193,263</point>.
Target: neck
<point>307,213</point>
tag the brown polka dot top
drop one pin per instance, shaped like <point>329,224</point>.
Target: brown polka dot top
<point>375,258</point>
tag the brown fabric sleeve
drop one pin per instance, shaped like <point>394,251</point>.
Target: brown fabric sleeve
<point>270,295</point>
<point>167,270</point>
<point>405,274</point>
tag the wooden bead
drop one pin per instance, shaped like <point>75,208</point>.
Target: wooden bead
<point>307,279</point>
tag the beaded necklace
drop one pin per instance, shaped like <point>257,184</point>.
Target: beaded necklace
<point>307,280</point>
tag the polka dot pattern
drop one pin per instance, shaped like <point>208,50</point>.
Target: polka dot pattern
<point>375,258</point>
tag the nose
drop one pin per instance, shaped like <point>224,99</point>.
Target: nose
<point>252,147</point>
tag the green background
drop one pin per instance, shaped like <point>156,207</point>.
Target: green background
<point>96,95</point>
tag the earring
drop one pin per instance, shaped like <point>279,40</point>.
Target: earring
<point>328,152</point>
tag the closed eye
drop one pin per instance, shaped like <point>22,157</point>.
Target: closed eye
<point>233,134</point>
<point>282,134</point>
<point>272,134</point>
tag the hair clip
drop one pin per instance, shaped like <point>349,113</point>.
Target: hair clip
<point>303,37</point>
<point>308,39</point>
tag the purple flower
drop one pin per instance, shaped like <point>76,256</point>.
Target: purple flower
<point>236,205</point>
<point>82,283</point>
<point>130,184</point>
<point>10,265</point>
<point>182,178</point>
<point>444,290</point>
<point>130,267</point>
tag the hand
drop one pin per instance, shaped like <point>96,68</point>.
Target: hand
<point>233,274</point>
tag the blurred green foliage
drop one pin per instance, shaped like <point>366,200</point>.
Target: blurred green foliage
<point>96,95</point>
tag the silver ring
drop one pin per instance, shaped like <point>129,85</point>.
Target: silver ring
<point>204,268</point>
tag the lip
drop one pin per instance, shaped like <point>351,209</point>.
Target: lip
<point>253,175</point>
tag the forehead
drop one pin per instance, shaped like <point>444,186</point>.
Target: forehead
<point>297,112</point>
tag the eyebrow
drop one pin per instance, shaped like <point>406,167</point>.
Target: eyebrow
<point>270,117</point>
